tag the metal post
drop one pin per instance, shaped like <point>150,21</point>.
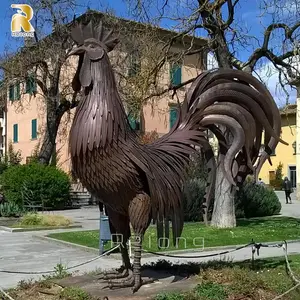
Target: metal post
<point>129,248</point>
<point>100,237</point>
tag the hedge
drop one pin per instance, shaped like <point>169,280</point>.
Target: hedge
<point>36,184</point>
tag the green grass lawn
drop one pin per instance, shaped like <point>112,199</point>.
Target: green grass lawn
<point>195,234</point>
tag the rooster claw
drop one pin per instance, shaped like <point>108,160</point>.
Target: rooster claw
<point>129,281</point>
<point>138,285</point>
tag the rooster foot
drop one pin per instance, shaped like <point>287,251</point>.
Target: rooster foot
<point>135,282</point>
<point>113,274</point>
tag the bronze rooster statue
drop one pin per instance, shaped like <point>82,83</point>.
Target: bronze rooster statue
<point>139,183</point>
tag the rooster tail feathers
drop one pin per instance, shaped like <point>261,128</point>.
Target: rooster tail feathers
<point>240,103</point>
<point>223,101</point>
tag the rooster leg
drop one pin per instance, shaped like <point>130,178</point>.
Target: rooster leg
<point>123,271</point>
<point>133,279</point>
<point>120,230</point>
<point>140,218</point>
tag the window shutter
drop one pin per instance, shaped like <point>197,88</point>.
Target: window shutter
<point>173,116</point>
<point>15,133</point>
<point>34,85</point>
<point>11,93</point>
<point>17,91</point>
<point>134,124</point>
<point>30,84</point>
<point>33,129</point>
<point>134,64</point>
<point>175,74</point>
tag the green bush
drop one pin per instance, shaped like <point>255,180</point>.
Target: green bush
<point>252,200</point>
<point>193,196</point>
<point>9,209</point>
<point>276,183</point>
<point>36,184</point>
<point>256,201</point>
<point>194,189</point>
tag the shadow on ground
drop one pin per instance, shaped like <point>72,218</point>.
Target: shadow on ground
<point>169,278</point>
<point>164,282</point>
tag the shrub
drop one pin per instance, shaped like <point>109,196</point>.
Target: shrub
<point>34,219</point>
<point>257,201</point>
<point>277,182</point>
<point>8,209</point>
<point>36,184</point>
<point>193,194</point>
<point>194,189</point>
<point>251,201</point>
<point>74,293</point>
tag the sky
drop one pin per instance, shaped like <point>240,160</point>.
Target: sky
<point>248,16</point>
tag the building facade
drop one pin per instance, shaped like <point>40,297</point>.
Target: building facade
<point>26,111</point>
<point>286,155</point>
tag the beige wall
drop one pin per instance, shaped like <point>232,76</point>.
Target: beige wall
<point>284,153</point>
<point>156,111</point>
<point>21,112</point>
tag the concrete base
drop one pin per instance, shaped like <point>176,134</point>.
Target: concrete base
<point>11,229</point>
<point>165,283</point>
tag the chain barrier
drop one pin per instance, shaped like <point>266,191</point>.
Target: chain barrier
<point>255,248</point>
<point>69,268</point>
<point>291,273</point>
<point>199,256</point>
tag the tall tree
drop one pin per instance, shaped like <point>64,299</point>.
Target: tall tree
<point>233,46</point>
<point>38,63</point>
<point>44,60</point>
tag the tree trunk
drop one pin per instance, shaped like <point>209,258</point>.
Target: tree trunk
<point>53,160</point>
<point>224,209</point>
<point>49,141</point>
<point>46,149</point>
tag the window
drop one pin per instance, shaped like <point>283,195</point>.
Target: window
<point>14,92</point>
<point>15,133</point>
<point>30,84</point>
<point>17,91</point>
<point>173,115</point>
<point>11,93</point>
<point>33,129</point>
<point>175,74</point>
<point>134,123</point>
<point>294,145</point>
<point>134,64</point>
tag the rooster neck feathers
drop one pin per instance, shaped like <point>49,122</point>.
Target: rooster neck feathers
<point>100,117</point>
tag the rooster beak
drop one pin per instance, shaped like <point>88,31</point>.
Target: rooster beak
<point>76,51</point>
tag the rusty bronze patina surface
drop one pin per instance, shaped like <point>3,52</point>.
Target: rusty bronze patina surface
<point>138,182</point>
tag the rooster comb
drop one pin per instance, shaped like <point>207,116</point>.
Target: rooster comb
<point>81,32</point>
